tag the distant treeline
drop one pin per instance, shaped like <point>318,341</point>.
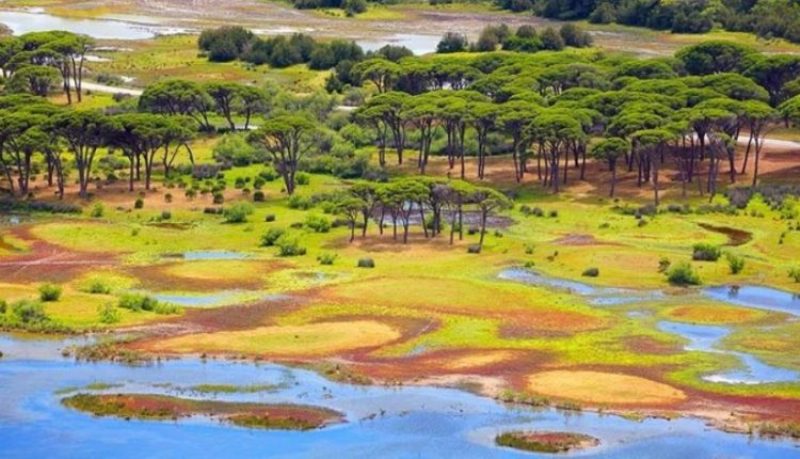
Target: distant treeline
<point>767,18</point>
<point>525,39</point>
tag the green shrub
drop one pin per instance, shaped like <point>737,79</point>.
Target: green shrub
<point>302,178</point>
<point>706,252</point>
<point>219,198</point>
<point>3,306</point>
<point>663,264</point>
<point>474,248</point>
<point>269,174</point>
<point>190,193</point>
<point>366,263</point>
<point>49,292</point>
<point>299,202</point>
<point>137,302</point>
<point>591,272</point>
<point>259,183</point>
<point>327,258</point>
<point>138,204</point>
<point>108,314</point>
<point>259,196</point>
<point>318,224</point>
<point>735,263</point>
<point>97,210</point>
<point>97,287</point>
<point>29,311</point>
<point>271,237</point>
<point>289,246</point>
<point>166,215</point>
<point>683,274</point>
<point>269,218</point>
<point>238,212</point>
<point>794,273</point>
<point>165,308</point>
<point>168,197</point>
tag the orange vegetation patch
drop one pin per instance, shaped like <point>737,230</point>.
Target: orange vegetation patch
<point>179,276</point>
<point>549,323</point>
<point>714,314</point>
<point>155,407</point>
<point>432,364</point>
<point>648,345</point>
<point>295,341</point>
<point>546,442</point>
<point>602,388</point>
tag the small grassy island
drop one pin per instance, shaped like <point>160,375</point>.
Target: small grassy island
<point>546,442</point>
<point>163,407</point>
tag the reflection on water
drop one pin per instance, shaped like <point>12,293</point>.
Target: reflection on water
<point>755,296</point>
<point>417,43</point>
<point>706,338</point>
<point>382,421</point>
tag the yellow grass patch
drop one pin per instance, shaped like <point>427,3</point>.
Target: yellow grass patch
<point>714,314</point>
<point>603,388</point>
<point>325,338</point>
<point>218,269</point>
<point>478,360</point>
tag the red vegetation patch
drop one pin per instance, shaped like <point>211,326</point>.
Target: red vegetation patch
<point>46,262</point>
<point>159,277</point>
<point>647,345</point>
<point>544,323</point>
<point>161,407</point>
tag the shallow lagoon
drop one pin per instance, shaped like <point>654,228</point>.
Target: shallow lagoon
<point>382,421</point>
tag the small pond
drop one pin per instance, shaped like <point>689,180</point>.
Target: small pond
<point>706,338</point>
<point>21,22</point>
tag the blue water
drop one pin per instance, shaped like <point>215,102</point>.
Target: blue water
<point>598,296</point>
<point>21,22</point>
<point>754,296</point>
<point>381,421</point>
<point>200,300</point>
<point>706,338</point>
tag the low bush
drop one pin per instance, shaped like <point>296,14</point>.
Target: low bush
<point>168,197</point>
<point>299,202</point>
<point>327,258</point>
<point>3,306</point>
<point>706,252</point>
<point>683,274</point>
<point>302,178</point>
<point>269,218</point>
<point>137,302</point>
<point>591,272</point>
<point>663,264</point>
<point>108,314</point>
<point>735,263</point>
<point>366,263</point>
<point>166,215</point>
<point>29,311</point>
<point>271,237</point>
<point>474,248</point>
<point>269,174</point>
<point>219,198</point>
<point>97,287</point>
<point>49,292</point>
<point>238,212</point>
<point>138,204</point>
<point>259,196</point>
<point>97,210</point>
<point>794,273</point>
<point>289,246</point>
<point>318,224</point>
